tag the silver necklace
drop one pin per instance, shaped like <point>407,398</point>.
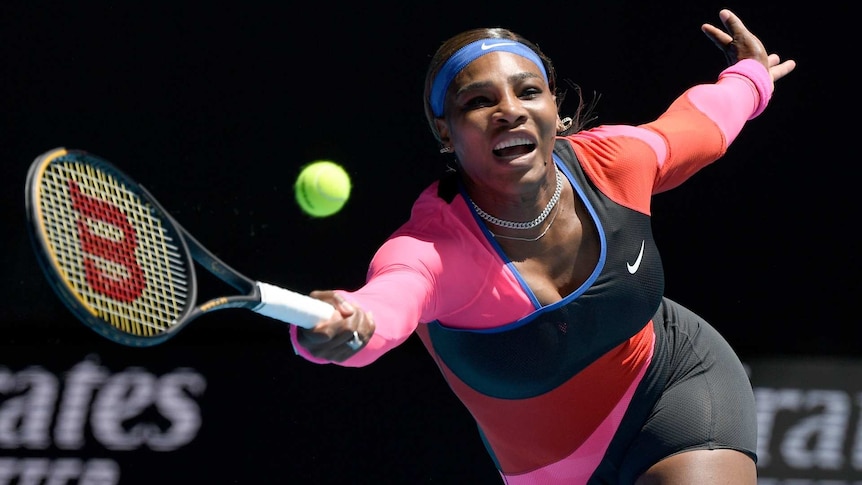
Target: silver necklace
<point>530,239</point>
<point>525,225</point>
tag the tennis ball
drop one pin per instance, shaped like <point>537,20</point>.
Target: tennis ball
<point>322,188</point>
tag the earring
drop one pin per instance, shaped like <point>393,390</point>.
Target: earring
<point>565,124</point>
<point>446,150</point>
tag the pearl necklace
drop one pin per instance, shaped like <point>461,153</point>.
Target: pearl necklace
<point>531,224</point>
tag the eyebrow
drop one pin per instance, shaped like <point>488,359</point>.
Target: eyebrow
<point>515,78</point>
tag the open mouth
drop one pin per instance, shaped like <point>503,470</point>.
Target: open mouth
<point>514,148</point>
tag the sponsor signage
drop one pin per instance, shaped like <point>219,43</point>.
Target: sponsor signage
<point>143,416</point>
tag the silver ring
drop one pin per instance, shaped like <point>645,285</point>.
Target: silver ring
<point>355,343</point>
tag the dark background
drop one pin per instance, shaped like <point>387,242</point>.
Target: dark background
<point>215,106</point>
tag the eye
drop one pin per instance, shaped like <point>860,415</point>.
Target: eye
<point>530,93</point>
<point>477,102</point>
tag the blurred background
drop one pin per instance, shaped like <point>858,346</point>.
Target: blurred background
<point>214,107</point>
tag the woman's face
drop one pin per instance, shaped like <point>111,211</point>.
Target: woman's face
<point>501,119</point>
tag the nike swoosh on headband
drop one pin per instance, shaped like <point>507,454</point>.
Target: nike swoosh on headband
<point>469,53</point>
<point>498,44</point>
<point>633,268</point>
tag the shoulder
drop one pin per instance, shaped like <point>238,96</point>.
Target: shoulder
<point>621,161</point>
<point>441,227</point>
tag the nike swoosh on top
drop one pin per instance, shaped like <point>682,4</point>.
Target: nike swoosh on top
<point>633,268</point>
<point>498,44</point>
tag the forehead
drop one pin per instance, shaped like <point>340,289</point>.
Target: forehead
<point>496,67</point>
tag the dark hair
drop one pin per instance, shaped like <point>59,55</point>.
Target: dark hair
<point>450,46</point>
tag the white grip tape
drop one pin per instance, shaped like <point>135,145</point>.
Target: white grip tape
<point>291,307</point>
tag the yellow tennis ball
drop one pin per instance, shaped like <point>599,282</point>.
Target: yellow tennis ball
<point>322,188</point>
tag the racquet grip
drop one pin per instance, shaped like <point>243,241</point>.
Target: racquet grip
<point>291,307</point>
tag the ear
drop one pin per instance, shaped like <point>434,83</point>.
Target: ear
<point>442,130</point>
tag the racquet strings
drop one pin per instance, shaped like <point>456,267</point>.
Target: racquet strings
<point>122,262</point>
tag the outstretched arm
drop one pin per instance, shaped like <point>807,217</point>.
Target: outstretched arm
<point>738,43</point>
<point>687,139</point>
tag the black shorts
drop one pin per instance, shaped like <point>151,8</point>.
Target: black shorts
<point>698,396</point>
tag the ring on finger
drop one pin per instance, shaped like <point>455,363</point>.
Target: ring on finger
<point>356,342</point>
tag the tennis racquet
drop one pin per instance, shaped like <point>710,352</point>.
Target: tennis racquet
<point>123,265</point>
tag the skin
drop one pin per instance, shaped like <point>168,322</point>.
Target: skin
<point>502,96</point>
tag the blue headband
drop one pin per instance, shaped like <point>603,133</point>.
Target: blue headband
<point>468,54</point>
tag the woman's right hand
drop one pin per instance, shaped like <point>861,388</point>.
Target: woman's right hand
<point>331,339</point>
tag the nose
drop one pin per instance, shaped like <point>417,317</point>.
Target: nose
<point>510,109</point>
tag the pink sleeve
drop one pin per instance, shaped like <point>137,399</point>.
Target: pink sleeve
<point>756,73</point>
<point>400,313</point>
<point>700,125</point>
<point>631,163</point>
<point>742,92</point>
<point>396,295</point>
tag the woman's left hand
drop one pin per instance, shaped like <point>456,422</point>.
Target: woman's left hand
<point>739,43</point>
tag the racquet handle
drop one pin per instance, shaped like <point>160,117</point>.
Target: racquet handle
<point>291,307</point>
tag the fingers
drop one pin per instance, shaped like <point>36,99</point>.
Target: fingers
<point>359,337</point>
<point>347,343</point>
<point>773,60</point>
<point>718,37</point>
<point>722,37</point>
<point>735,40</point>
<point>724,41</point>
<point>731,22</point>
<point>782,69</point>
<point>733,30</point>
<point>341,337</point>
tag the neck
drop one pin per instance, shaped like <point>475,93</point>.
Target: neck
<point>524,225</point>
